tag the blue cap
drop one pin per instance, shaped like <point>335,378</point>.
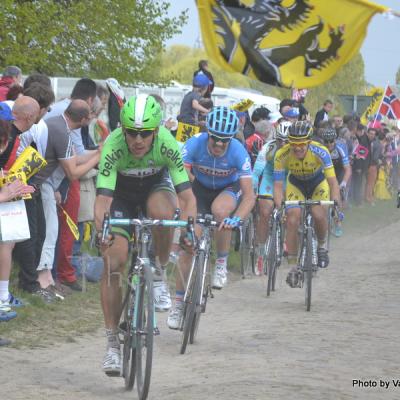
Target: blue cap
<point>5,112</point>
<point>201,80</point>
<point>292,113</point>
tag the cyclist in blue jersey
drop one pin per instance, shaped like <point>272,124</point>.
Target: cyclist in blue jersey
<point>263,183</point>
<point>341,163</point>
<point>220,171</point>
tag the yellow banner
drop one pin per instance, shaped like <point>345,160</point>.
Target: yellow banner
<point>11,177</point>
<point>186,131</point>
<point>243,105</point>
<point>372,109</point>
<point>29,161</point>
<point>291,43</point>
<point>71,224</point>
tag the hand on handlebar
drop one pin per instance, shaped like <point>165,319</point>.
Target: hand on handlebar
<point>230,223</point>
<point>104,243</point>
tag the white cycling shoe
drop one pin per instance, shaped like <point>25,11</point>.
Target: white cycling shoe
<point>220,277</point>
<point>162,296</point>
<point>112,362</point>
<point>175,316</point>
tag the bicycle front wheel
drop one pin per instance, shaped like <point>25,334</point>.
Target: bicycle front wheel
<point>270,260</point>
<point>129,350</point>
<point>247,256</point>
<point>198,295</point>
<point>308,269</point>
<point>144,333</point>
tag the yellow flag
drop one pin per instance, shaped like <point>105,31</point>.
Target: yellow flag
<point>291,43</point>
<point>71,224</point>
<point>243,105</point>
<point>186,131</point>
<point>372,109</point>
<point>29,161</point>
<point>11,177</point>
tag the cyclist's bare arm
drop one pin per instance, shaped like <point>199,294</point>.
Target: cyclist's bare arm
<point>347,174</point>
<point>102,205</point>
<point>278,193</point>
<point>189,172</point>
<point>187,204</point>
<point>334,188</point>
<point>248,197</point>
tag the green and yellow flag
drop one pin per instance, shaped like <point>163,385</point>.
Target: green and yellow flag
<point>372,109</point>
<point>291,43</point>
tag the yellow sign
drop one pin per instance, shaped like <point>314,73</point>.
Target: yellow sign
<point>71,224</point>
<point>29,161</point>
<point>243,105</point>
<point>186,131</point>
<point>285,43</point>
<point>372,109</point>
<point>11,177</point>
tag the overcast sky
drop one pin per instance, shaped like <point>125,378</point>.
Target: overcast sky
<point>380,50</point>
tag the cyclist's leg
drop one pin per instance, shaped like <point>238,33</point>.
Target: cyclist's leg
<point>293,216</point>
<point>161,204</point>
<point>222,207</point>
<point>320,215</point>
<point>111,287</point>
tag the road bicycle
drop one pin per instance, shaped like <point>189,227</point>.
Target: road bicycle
<point>308,258</point>
<point>198,288</point>
<point>138,323</point>
<point>274,248</point>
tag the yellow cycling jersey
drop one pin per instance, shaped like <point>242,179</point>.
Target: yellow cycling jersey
<point>316,161</point>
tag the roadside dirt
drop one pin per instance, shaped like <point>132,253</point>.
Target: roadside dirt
<point>251,347</point>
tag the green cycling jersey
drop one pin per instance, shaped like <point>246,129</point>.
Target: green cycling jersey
<point>119,171</point>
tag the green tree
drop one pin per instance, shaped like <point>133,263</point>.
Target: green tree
<point>99,39</point>
<point>398,77</point>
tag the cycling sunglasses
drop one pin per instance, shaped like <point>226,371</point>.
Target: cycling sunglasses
<point>329,141</point>
<point>299,144</point>
<point>222,139</point>
<point>143,133</point>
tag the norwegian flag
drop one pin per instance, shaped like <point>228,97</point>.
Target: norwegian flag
<point>390,106</point>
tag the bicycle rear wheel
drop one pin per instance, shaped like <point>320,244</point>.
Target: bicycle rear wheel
<point>247,256</point>
<point>308,269</point>
<point>270,260</point>
<point>198,295</point>
<point>144,332</point>
<point>189,309</point>
<point>129,350</point>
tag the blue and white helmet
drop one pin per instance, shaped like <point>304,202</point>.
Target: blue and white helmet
<point>222,121</point>
<point>282,130</point>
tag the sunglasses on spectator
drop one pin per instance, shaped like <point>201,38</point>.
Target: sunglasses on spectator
<point>222,139</point>
<point>143,133</point>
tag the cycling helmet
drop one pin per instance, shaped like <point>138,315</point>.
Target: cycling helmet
<point>328,134</point>
<point>282,130</point>
<point>222,121</point>
<point>300,131</point>
<point>141,112</point>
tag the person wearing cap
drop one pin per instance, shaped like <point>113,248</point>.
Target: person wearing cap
<point>203,69</point>
<point>11,76</point>
<point>291,114</point>
<point>190,106</point>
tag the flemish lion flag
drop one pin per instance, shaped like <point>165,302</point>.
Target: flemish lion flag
<point>186,131</point>
<point>292,43</point>
<point>372,109</point>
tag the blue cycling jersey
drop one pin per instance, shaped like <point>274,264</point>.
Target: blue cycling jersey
<point>216,172</point>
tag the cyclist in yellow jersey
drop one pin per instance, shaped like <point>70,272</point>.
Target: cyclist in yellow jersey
<point>311,176</point>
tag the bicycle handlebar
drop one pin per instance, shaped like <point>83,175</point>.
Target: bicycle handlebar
<point>309,203</point>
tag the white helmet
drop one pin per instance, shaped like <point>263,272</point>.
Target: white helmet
<point>282,130</point>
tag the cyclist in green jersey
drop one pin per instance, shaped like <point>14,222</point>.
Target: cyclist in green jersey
<point>141,166</point>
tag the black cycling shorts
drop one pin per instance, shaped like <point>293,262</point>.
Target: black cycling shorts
<point>205,196</point>
<point>130,208</point>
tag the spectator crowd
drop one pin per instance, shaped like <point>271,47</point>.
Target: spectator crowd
<point>68,135</point>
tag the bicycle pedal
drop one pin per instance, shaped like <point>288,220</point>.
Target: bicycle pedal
<point>156,332</point>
